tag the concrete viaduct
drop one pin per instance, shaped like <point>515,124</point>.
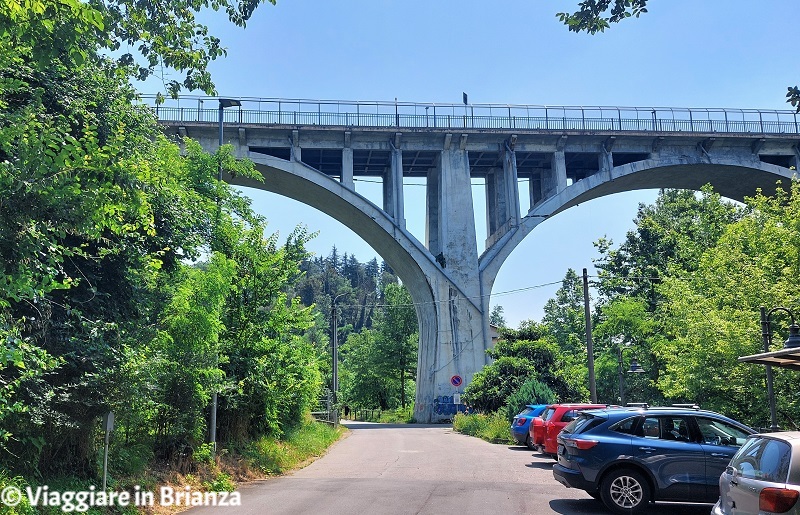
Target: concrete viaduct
<point>312,151</point>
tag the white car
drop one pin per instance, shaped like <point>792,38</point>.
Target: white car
<point>763,477</point>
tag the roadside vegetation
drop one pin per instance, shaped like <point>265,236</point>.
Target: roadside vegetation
<point>135,282</point>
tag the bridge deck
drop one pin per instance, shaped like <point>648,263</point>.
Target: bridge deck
<point>433,116</point>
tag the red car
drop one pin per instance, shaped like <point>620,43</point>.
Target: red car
<point>545,428</point>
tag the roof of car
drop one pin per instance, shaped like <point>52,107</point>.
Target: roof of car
<point>655,409</point>
<point>793,436</point>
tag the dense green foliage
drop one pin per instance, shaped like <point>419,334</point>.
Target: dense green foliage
<point>532,391</point>
<point>492,427</point>
<point>133,281</point>
<point>379,365</point>
<point>166,35</point>
<point>521,356</point>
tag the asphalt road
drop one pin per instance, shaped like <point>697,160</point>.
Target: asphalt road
<point>421,469</point>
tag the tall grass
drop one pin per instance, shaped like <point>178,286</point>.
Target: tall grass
<point>493,427</point>
<point>272,456</point>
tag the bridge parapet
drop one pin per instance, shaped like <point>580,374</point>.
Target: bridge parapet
<point>438,116</point>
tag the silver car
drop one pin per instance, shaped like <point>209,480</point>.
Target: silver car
<point>763,477</point>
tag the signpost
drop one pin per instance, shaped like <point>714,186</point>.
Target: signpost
<point>108,426</point>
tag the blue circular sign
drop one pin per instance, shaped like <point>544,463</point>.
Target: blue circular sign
<point>456,380</point>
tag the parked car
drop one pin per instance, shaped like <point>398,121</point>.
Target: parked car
<point>520,427</point>
<point>553,419</point>
<point>629,457</point>
<point>762,477</point>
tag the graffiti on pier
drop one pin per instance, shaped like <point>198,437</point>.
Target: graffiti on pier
<point>444,405</point>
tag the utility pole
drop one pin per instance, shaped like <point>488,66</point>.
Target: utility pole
<point>589,345</point>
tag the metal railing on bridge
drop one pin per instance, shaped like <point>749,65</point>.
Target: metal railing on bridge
<point>408,115</point>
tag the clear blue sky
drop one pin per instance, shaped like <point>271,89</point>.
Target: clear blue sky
<point>683,53</point>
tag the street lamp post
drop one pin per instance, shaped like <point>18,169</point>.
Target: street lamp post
<point>635,368</point>
<point>224,103</point>
<point>791,342</point>
<point>335,351</point>
<point>212,436</point>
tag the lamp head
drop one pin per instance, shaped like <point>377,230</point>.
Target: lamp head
<point>224,103</point>
<point>636,368</point>
<point>793,340</point>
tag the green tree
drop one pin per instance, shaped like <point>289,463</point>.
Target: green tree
<point>397,336</point>
<point>712,317</point>
<point>517,362</point>
<point>564,315</point>
<point>165,34</point>
<point>496,317</point>
<point>669,238</point>
<point>532,391</point>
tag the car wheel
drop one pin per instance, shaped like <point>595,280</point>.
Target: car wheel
<point>529,443</point>
<point>625,492</point>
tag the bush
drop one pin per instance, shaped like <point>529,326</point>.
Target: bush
<point>23,508</point>
<point>532,391</point>
<point>492,427</point>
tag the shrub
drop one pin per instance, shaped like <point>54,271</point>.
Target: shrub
<point>492,427</point>
<point>532,391</point>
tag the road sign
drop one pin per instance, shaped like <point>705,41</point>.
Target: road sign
<point>456,380</point>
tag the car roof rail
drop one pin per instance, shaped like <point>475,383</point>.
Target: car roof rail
<point>689,405</point>
<point>637,405</point>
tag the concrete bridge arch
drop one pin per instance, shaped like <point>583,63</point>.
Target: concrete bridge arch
<point>734,178</point>
<point>452,342</point>
<point>312,150</point>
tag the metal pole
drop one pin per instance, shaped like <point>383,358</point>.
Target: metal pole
<point>589,345</point>
<point>335,354</point>
<point>766,337</point>
<point>105,461</point>
<point>621,383</point>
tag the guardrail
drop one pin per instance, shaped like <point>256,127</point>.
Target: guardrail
<point>338,113</point>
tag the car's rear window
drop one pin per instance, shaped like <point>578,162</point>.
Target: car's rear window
<point>583,423</point>
<point>548,413</point>
<point>627,426</point>
<point>525,412</point>
<point>764,459</point>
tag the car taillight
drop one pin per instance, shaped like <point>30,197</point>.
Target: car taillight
<point>777,500</point>
<point>520,421</point>
<point>579,444</point>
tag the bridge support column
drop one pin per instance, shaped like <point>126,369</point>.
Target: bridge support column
<point>605,162</point>
<point>347,168</point>
<point>452,340</point>
<point>393,188</point>
<point>554,181</point>
<point>502,198</point>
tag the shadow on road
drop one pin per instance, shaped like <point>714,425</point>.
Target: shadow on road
<point>577,506</point>
<point>518,448</point>
<point>542,465</point>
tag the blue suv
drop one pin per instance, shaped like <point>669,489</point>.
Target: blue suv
<point>629,457</point>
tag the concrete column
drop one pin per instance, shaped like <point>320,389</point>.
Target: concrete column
<point>393,188</point>
<point>456,220</point>
<point>297,153</point>
<point>605,162</point>
<point>432,212</point>
<point>495,201</point>
<point>511,185</point>
<point>347,168</point>
<point>555,181</point>
<point>453,339</point>
<point>535,186</point>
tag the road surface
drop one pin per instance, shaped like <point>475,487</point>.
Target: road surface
<point>421,469</point>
